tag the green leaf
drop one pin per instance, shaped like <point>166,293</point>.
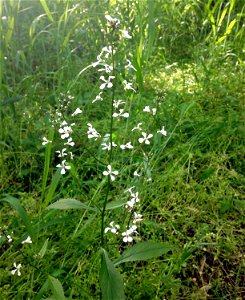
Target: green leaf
<point>43,250</point>
<point>70,204</point>
<point>52,188</point>
<point>143,251</point>
<point>110,279</point>
<point>14,202</point>
<point>56,288</point>
<point>46,9</point>
<point>115,204</point>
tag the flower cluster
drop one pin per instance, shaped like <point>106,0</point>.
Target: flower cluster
<point>65,130</point>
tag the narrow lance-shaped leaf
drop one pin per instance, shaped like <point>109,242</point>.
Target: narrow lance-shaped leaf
<point>14,202</point>
<point>143,251</point>
<point>56,288</point>
<point>110,279</point>
<point>63,204</point>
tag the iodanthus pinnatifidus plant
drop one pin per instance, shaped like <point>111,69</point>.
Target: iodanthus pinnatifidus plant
<point>115,78</point>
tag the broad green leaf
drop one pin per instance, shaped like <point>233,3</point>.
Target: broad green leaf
<point>115,204</point>
<point>14,202</point>
<point>110,279</point>
<point>70,204</point>
<point>143,251</point>
<point>56,288</point>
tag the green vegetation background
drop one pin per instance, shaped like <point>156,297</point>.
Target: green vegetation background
<point>189,56</point>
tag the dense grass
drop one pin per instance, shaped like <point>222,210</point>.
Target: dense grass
<point>189,64</point>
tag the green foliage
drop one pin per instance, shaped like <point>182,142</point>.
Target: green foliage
<point>188,56</point>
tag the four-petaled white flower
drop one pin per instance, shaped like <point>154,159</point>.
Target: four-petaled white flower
<point>137,218</point>
<point>162,131</point>
<point>70,142</point>
<point>110,173</point>
<point>117,103</point>
<point>120,114</point>
<point>128,86</point>
<point>77,111</point>
<point>108,146</point>
<point>136,174</point>
<point>98,98</point>
<point>127,146</point>
<point>16,269</point>
<point>112,21</point>
<point>62,153</point>
<point>27,241</point>
<point>45,141</point>
<point>92,133</point>
<point>125,34</point>
<point>145,138</point>
<point>107,83</point>
<point>107,68</point>
<point>63,167</point>
<point>129,65</point>
<point>147,109</point>
<point>113,228</point>
<point>65,132</point>
<point>127,234</point>
<point>138,127</point>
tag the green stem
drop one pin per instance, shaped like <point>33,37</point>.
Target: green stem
<point>111,151</point>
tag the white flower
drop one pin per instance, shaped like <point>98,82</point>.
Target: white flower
<point>76,112</point>
<point>120,114</point>
<point>70,142</point>
<point>113,228</point>
<point>127,146</point>
<point>27,241</point>
<point>136,174</point>
<point>128,86</point>
<point>107,68</point>
<point>135,199</point>
<point>65,132</point>
<point>62,153</point>
<point>127,234</point>
<point>108,146</point>
<point>112,21</point>
<point>147,109</point>
<point>137,218</point>
<point>162,131</point>
<point>117,103</point>
<point>129,65</point>
<point>137,127</point>
<point>130,189</point>
<point>16,269</point>
<point>145,138</point>
<point>107,83</point>
<point>9,238</point>
<point>92,133</point>
<point>63,167</point>
<point>154,111</point>
<point>111,173</point>
<point>125,34</point>
<point>45,141</point>
<point>98,98</point>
